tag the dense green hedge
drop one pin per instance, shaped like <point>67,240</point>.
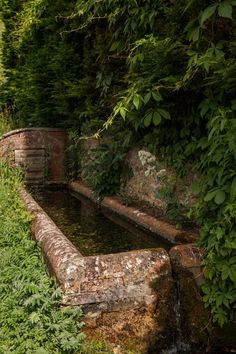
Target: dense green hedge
<point>159,72</point>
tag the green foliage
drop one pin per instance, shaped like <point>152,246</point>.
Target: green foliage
<point>74,155</point>
<point>6,123</point>
<point>1,67</point>
<point>103,167</point>
<point>174,210</point>
<point>162,73</point>
<point>30,314</point>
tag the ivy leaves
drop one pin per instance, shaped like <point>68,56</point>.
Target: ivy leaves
<point>207,13</point>
<point>139,102</point>
<point>152,116</point>
<point>156,117</point>
<point>218,195</point>
<point>224,9</point>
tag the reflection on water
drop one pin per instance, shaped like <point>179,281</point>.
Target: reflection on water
<point>90,231</point>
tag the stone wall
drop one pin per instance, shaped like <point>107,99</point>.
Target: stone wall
<point>39,151</point>
<point>151,177</point>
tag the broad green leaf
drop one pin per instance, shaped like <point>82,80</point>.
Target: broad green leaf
<point>205,106</point>
<point>210,195</point>
<point>207,13</point>
<point>205,289</point>
<point>114,46</point>
<point>147,97</point>
<point>136,101</point>
<point>233,188</point>
<point>225,272</point>
<point>157,96</point>
<point>165,114</point>
<point>225,10</point>
<point>194,34</point>
<point>219,300</point>
<point>156,118</point>
<point>220,197</point>
<point>148,119</point>
<point>123,112</point>
<point>232,274</point>
<point>196,188</point>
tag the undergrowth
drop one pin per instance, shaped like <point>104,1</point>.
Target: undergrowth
<point>31,319</point>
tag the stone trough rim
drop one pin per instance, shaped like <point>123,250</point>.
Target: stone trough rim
<point>22,130</point>
<point>163,229</point>
<point>64,261</point>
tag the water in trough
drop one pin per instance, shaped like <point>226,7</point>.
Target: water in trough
<point>88,229</point>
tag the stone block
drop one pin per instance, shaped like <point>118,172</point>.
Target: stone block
<point>35,150</point>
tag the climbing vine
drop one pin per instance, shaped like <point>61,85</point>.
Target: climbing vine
<point>159,72</point>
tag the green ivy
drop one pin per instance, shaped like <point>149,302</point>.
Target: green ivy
<point>103,167</point>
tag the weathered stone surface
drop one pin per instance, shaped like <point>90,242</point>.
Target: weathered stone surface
<point>58,251</point>
<point>128,295</point>
<point>39,151</point>
<point>186,262</point>
<point>144,184</point>
<point>82,190</point>
<point>160,227</point>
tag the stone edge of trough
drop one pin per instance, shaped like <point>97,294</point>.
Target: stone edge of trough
<point>125,280</point>
<point>98,280</point>
<point>135,216</point>
<point>56,247</point>
<point>22,130</point>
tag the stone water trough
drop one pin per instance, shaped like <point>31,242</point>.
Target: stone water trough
<point>148,299</point>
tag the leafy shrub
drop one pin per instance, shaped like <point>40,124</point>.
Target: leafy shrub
<point>30,315</point>
<point>103,168</point>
